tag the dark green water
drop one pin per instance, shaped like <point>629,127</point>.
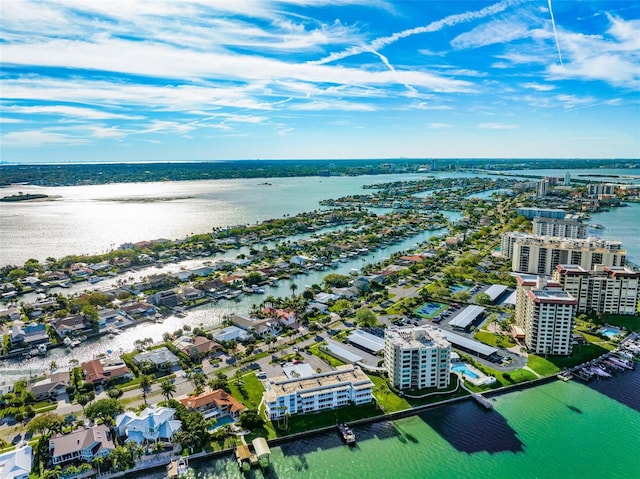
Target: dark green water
<point>558,430</point>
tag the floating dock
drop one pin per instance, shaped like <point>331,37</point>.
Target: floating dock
<point>247,459</point>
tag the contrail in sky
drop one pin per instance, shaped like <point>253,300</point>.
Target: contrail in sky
<point>555,33</point>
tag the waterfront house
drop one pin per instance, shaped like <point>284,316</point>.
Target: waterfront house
<point>191,294</point>
<point>231,333</point>
<point>52,387</point>
<point>161,358</point>
<point>215,403</point>
<point>261,327</point>
<point>70,325</point>
<point>168,298</point>
<point>97,373</point>
<point>11,313</point>
<point>30,333</point>
<point>151,425</point>
<point>196,346</point>
<point>16,464</point>
<point>81,444</point>
<point>287,317</point>
<point>139,309</point>
<point>346,384</point>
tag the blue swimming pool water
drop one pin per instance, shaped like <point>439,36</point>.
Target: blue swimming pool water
<point>462,368</point>
<point>610,332</point>
<point>223,421</point>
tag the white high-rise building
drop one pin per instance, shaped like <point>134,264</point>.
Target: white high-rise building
<point>546,314</point>
<point>417,357</point>
<point>535,254</point>
<point>605,289</point>
<point>560,228</point>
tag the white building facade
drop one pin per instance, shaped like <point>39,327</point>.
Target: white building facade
<point>417,357</point>
<point>346,385</point>
<point>606,289</point>
<point>534,254</point>
<point>546,314</point>
<point>560,228</point>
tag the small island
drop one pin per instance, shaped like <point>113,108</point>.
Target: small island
<point>24,197</point>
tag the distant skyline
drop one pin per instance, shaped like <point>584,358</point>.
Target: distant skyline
<point>200,80</point>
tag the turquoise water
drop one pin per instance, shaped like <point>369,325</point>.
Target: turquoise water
<point>555,431</point>
<point>223,421</point>
<point>610,332</point>
<point>462,368</point>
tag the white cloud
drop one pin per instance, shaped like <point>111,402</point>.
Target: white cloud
<point>38,138</point>
<point>539,86</point>
<point>497,126</point>
<point>61,110</point>
<point>439,125</point>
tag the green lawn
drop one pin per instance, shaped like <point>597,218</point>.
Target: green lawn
<point>494,339</point>
<point>542,366</point>
<point>330,360</point>
<point>306,422</point>
<point>581,354</point>
<point>389,400</point>
<point>250,394</point>
<point>631,323</point>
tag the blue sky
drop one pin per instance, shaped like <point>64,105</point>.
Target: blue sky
<point>197,80</point>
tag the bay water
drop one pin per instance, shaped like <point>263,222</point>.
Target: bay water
<point>553,431</point>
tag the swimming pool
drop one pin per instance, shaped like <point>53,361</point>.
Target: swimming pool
<point>610,331</point>
<point>222,421</point>
<point>462,368</point>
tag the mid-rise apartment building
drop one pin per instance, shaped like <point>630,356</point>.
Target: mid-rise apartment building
<point>546,314</point>
<point>559,228</point>
<point>417,357</point>
<point>535,254</point>
<point>346,385</point>
<point>605,289</point>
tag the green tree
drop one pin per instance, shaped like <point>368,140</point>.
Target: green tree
<point>46,424</point>
<point>220,381</point>
<point>198,380</point>
<point>250,419</point>
<point>365,317</point>
<point>483,298</point>
<point>104,409</point>
<point>335,280</point>
<point>145,386</point>
<point>167,388</point>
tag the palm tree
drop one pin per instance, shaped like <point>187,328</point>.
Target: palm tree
<point>167,388</point>
<point>145,386</point>
<point>293,287</point>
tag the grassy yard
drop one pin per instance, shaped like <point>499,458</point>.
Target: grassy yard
<point>494,339</point>
<point>306,422</point>
<point>542,366</point>
<point>387,399</point>
<point>250,394</point>
<point>631,323</point>
<point>330,360</point>
<point>581,354</point>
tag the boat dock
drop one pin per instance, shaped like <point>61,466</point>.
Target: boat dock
<point>619,360</point>
<point>260,457</point>
<point>177,468</point>
<point>483,401</point>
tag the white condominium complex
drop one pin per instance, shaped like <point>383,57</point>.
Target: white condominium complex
<point>417,357</point>
<point>606,289</point>
<point>559,228</point>
<point>546,313</point>
<point>347,384</point>
<point>535,254</point>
